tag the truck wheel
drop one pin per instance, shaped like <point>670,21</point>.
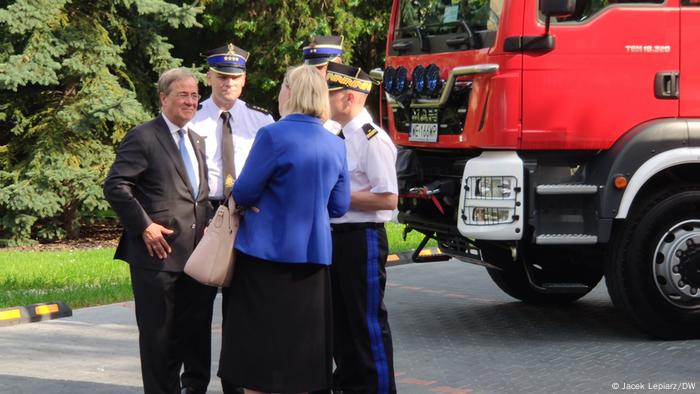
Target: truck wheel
<point>514,281</point>
<point>653,271</point>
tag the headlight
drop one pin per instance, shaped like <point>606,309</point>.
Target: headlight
<point>388,81</point>
<point>419,79</point>
<point>432,79</point>
<point>488,215</point>
<point>492,187</point>
<point>400,84</point>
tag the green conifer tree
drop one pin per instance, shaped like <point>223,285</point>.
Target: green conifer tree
<point>75,75</point>
<point>273,30</point>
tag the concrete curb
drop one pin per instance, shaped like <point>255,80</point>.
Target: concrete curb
<point>34,313</point>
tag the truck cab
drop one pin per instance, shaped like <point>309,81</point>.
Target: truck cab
<point>555,142</point>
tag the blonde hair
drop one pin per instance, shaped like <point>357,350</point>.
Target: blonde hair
<point>308,92</point>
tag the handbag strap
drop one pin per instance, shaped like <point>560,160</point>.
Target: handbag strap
<point>233,208</point>
<point>231,204</point>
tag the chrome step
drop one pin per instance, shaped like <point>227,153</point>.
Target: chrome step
<point>567,188</point>
<point>566,239</point>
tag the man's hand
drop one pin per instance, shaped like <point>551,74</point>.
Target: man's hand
<point>155,243</point>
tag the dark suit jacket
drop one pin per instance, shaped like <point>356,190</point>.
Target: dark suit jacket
<point>148,184</point>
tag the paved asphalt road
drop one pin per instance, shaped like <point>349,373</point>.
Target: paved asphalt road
<point>454,333</point>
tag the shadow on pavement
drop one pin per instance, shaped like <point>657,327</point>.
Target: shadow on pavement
<point>10,384</point>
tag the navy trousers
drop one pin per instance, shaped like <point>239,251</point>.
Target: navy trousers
<point>362,347</point>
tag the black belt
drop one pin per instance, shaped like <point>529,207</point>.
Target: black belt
<point>344,227</point>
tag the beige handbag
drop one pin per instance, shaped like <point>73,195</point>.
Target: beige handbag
<point>212,261</point>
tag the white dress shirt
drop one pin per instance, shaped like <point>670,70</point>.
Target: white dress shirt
<point>188,144</point>
<point>245,123</point>
<point>371,166</point>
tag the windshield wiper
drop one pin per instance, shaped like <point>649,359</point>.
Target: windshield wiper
<point>422,38</point>
<point>421,32</point>
<point>468,40</point>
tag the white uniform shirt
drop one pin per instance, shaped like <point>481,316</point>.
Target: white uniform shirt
<point>332,126</point>
<point>371,166</point>
<point>245,123</point>
<point>188,144</point>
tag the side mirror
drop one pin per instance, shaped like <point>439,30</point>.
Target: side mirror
<point>557,8</point>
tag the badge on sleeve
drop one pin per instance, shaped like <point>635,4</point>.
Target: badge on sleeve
<point>229,182</point>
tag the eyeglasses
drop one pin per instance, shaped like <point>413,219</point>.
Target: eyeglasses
<point>184,96</point>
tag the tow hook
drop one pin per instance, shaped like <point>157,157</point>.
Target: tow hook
<point>425,193</point>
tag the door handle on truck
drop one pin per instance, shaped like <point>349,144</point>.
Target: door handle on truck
<point>666,84</point>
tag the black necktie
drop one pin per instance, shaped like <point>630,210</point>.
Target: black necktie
<point>228,169</point>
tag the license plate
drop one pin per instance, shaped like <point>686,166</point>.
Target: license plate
<point>424,125</point>
<point>423,132</point>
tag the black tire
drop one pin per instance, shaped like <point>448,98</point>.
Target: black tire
<point>513,279</point>
<point>631,272</point>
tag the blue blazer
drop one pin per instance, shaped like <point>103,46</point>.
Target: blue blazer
<point>297,175</point>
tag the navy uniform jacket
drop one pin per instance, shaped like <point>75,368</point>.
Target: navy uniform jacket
<point>148,184</point>
<point>296,174</point>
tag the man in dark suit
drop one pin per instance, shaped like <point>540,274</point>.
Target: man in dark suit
<point>158,188</point>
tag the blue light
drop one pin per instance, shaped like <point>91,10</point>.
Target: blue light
<point>418,79</point>
<point>400,81</point>
<point>388,81</point>
<point>432,76</point>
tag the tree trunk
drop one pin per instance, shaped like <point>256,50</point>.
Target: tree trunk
<point>70,223</point>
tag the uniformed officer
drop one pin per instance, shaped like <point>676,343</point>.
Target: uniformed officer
<point>319,51</point>
<point>362,339</point>
<point>228,125</point>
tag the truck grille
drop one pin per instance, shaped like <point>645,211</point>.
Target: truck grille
<point>451,117</point>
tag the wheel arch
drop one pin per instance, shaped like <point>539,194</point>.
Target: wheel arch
<point>648,155</point>
<point>671,167</point>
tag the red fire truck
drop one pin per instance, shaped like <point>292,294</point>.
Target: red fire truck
<point>555,142</point>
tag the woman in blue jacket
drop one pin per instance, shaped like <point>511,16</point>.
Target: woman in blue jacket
<point>277,337</point>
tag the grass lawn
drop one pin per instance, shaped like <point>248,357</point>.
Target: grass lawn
<point>80,278</point>
<point>394,233</point>
<point>86,277</point>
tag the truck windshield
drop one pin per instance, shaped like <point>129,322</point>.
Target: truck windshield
<point>439,17</point>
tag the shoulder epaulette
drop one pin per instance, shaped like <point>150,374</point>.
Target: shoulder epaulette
<point>256,108</point>
<point>369,130</point>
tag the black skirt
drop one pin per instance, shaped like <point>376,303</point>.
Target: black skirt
<point>277,337</point>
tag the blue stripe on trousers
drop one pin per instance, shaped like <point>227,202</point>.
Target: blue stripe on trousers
<point>373,302</point>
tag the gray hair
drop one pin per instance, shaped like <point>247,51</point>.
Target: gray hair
<point>174,74</point>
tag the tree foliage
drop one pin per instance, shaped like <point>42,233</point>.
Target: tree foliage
<point>75,75</point>
<point>273,30</point>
